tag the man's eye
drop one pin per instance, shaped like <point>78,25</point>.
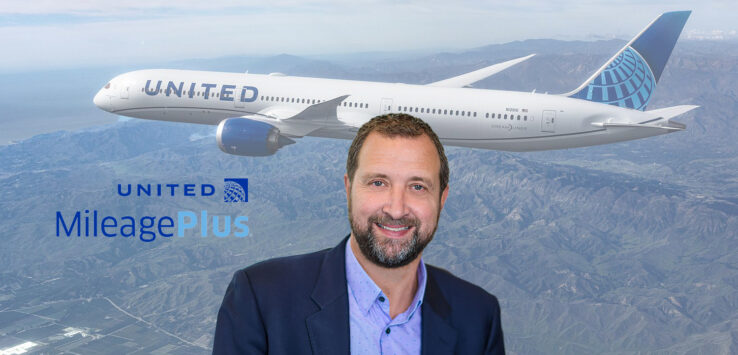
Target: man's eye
<point>377,183</point>
<point>418,187</point>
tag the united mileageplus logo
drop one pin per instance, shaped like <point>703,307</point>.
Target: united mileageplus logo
<point>236,190</point>
<point>91,222</point>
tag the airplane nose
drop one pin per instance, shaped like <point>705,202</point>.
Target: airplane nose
<point>102,101</point>
<point>97,100</point>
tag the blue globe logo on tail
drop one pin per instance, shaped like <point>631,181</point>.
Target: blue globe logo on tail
<point>236,190</point>
<point>626,82</point>
<point>630,77</point>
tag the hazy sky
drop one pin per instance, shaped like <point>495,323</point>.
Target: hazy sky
<point>74,33</point>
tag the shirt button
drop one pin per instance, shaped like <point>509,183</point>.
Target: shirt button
<point>387,330</point>
<point>381,299</point>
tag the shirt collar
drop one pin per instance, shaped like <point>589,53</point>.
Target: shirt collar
<point>366,292</point>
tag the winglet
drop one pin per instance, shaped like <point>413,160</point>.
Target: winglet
<point>313,117</point>
<point>325,112</point>
<point>477,75</point>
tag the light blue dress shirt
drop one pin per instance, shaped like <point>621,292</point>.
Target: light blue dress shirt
<point>372,330</point>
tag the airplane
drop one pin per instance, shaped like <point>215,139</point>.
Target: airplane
<point>257,114</point>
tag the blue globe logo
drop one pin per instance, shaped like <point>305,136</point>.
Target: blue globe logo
<point>626,82</point>
<point>234,192</point>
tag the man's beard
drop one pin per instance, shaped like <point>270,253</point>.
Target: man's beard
<point>387,252</point>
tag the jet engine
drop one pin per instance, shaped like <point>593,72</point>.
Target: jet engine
<point>241,136</point>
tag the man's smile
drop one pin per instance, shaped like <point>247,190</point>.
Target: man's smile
<point>394,230</point>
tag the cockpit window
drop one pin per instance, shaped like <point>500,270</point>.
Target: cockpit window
<point>107,86</point>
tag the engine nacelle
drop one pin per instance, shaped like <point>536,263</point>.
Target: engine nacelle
<point>241,136</point>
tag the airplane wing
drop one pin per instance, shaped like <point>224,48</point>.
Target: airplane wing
<point>477,75</point>
<point>313,117</point>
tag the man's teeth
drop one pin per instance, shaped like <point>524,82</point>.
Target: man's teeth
<point>394,229</point>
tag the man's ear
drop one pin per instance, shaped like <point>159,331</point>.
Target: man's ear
<point>444,194</point>
<point>347,185</point>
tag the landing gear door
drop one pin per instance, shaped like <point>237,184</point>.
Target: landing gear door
<point>548,121</point>
<point>386,105</point>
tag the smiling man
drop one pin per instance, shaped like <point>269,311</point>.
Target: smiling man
<point>372,294</point>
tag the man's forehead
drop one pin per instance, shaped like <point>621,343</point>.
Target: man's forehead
<point>414,155</point>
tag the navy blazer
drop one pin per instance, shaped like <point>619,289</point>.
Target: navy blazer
<point>299,305</point>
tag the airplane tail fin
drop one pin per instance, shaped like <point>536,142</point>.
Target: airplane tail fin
<point>629,78</point>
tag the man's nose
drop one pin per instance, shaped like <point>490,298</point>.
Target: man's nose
<point>396,207</point>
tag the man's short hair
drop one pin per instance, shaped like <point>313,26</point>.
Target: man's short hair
<point>395,125</point>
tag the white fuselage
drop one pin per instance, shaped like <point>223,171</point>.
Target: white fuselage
<point>487,119</point>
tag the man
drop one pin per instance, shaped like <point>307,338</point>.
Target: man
<point>372,294</point>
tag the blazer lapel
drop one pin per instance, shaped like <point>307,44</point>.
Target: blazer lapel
<point>438,336</point>
<point>328,328</point>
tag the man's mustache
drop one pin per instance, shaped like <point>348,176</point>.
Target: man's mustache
<point>389,221</point>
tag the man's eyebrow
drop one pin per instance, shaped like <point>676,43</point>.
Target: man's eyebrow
<point>374,176</point>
